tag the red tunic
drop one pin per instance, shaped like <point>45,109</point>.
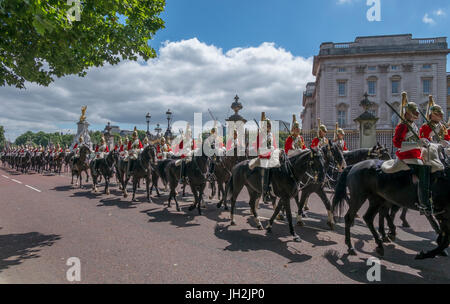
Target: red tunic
<point>116,147</point>
<point>425,132</point>
<point>130,145</point>
<point>289,145</point>
<point>399,138</point>
<point>158,151</point>
<point>121,149</point>
<point>315,142</point>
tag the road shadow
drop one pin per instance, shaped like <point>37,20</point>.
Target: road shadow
<point>17,248</point>
<point>357,271</point>
<point>245,241</point>
<point>117,202</point>
<point>182,219</point>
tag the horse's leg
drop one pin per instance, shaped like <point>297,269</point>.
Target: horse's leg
<point>237,187</point>
<point>107,185</point>
<point>405,223</point>
<point>326,202</point>
<point>184,189</point>
<point>383,215</point>
<point>287,205</point>
<point>305,195</point>
<point>147,186</point>
<point>374,208</point>
<point>135,184</point>
<point>442,245</point>
<point>254,197</point>
<point>355,203</point>
<point>274,215</point>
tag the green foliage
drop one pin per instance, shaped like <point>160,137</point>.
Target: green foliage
<point>2,138</point>
<point>44,139</point>
<point>40,42</point>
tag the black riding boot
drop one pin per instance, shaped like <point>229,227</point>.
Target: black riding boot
<point>266,188</point>
<point>130,167</point>
<point>182,171</point>
<point>423,189</point>
<point>211,170</point>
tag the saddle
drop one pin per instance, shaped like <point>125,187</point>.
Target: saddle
<point>272,162</point>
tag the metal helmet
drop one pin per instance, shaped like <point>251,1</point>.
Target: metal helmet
<point>340,131</point>
<point>135,133</point>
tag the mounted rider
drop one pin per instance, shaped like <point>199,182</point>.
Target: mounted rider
<point>145,142</point>
<point>186,151</point>
<point>134,149</point>
<point>268,155</point>
<point>163,150</point>
<point>77,147</point>
<point>234,144</point>
<point>434,130</point>
<point>409,155</point>
<point>295,141</point>
<point>321,140</point>
<point>218,150</point>
<point>339,138</point>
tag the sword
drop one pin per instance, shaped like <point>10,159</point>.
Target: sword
<point>402,119</point>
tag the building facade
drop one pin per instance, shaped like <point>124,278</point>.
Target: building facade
<point>448,97</point>
<point>382,66</point>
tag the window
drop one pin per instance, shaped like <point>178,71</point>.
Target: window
<point>342,87</point>
<point>395,86</point>
<point>372,68</point>
<point>341,118</point>
<point>448,90</point>
<point>372,87</point>
<point>342,70</point>
<point>427,66</point>
<point>427,86</point>
<point>394,67</point>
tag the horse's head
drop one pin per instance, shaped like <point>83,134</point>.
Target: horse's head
<point>316,165</point>
<point>334,154</point>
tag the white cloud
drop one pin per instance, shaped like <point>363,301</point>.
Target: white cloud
<point>428,20</point>
<point>439,12</point>
<point>188,76</point>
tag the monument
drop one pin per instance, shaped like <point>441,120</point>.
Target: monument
<point>367,124</point>
<point>83,126</point>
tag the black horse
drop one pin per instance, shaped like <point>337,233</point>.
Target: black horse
<point>142,169</point>
<point>105,168</point>
<point>334,157</point>
<point>367,182</point>
<point>286,179</point>
<point>196,171</point>
<point>80,164</point>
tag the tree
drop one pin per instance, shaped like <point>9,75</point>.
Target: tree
<point>40,39</point>
<point>2,138</point>
<point>44,139</point>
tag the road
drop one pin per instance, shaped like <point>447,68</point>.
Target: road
<point>44,222</point>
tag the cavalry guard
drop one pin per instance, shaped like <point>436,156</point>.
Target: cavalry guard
<point>186,152</point>
<point>434,130</point>
<point>339,138</point>
<point>218,150</point>
<point>134,148</point>
<point>295,141</point>
<point>234,144</point>
<point>321,139</point>
<point>101,149</point>
<point>123,153</point>
<point>76,148</point>
<point>163,149</point>
<point>268,155</point>
<point>407,140</point>
<point>146,142</point>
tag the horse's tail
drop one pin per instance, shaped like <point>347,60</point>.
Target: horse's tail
<point>340,193</point>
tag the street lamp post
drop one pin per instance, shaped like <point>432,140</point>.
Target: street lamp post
<point>168,133</point>
<point>158,130</point>
<point>147,118</point>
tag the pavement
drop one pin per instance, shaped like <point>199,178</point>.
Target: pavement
<point>44,222</point>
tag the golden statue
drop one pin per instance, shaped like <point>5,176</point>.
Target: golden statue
<point>83,114</point>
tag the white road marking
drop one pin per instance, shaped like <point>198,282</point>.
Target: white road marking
<point>33,188</point>
<point>5,176</point>
<point>16,181</point>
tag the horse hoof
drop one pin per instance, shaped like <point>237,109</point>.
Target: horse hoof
<point>178,209</point>
<point>380,251</point>
<point>280,217</point>
<point>300,224</point>
<point>444,253</point>
<point>392,237</point>
<point>406,225</point>
<point>297,239</point>
<point>108,193</point>
<point>260,227</point>
<point>306,208</point>
<point>330,225</point>
<point>421,256</point>
<point>233,223</point>
<point>219,205</point>
<point>191,208</point>
<point>385,239</point>
<point>269,230</point>
<point>351,251</point>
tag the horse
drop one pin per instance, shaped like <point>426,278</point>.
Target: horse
<point>196,171</point>
<point>143,169</point>
<point>80,165</point>
<point>285,181</point>
<point>367,182</point>
<point>105,168</point>
<point>333,155</point>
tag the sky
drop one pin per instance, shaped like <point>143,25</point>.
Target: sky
<point>210,51</point>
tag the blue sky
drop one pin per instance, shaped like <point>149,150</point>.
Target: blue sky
<point>299,26</point>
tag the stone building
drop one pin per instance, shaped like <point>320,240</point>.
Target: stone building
<point>448,96</point>
<point>382,66</point>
